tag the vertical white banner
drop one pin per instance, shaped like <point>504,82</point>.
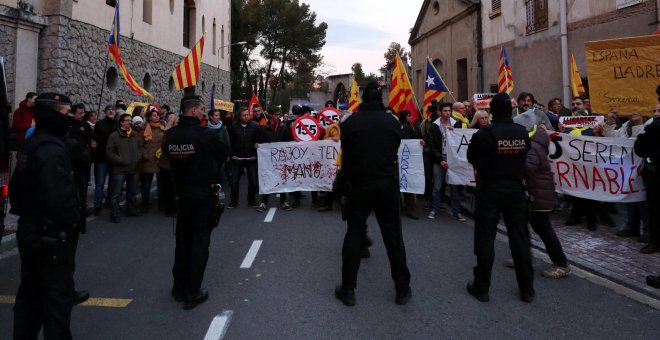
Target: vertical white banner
<point>459,171</point>
<point>411,166</point>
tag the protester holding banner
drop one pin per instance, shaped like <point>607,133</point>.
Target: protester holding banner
<point>554,105</point>
<point>647,145</point>
<point>542,197</point>
<point>498,153</point>
<point>408,132</point>
<point>273,132</point>
<point>527,102</point>
<point>370,142</point>
<point>243,136</point>
<point>333,132</point>
<point>458,116</point>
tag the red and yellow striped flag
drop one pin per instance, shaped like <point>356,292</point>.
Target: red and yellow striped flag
<point>401,92</point>
<point>577,88</point>
<point>115,55</point>
<point>505,76</point>
<point>354,100</point>
<point>187,73</point>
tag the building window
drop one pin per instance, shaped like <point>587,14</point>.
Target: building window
<point>495,8</point>
<point>170,85</point>
<point>112,3</point>
<point>111,78</point>
<point>171,6</point>
<point>222,42</point>
<point>189,23</point>
<point>462,78</point>
<point>146,11</point>
<point>215,49</point>
<point>436,7</point>
<point>537,15</point>
<point>203,25</point>
<point>146,82</point>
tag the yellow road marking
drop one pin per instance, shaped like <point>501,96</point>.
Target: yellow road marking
<point>92,302</point>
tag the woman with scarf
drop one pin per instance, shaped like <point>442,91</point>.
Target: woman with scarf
<point>152,138</point>
<point>216,123</point>
<point>123,153</point>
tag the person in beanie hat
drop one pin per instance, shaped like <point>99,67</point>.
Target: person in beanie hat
<point>498,153</point>
<point>43,193</point>
<point>196,154</point>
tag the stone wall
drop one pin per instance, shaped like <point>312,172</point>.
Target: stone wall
<point>72,59</point>
<point>8,52</point>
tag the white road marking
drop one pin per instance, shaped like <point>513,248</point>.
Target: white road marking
<point>270,215</point>
<point>252,253</point>
<point>218,326</point>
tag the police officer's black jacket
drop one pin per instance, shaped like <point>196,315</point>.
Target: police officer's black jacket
<point>77,146</point>
<point>42,185</point>
<point>195,152</point>
<point>647,144</point>
<point>498,151</point>
<point>434,142</point>
<point>370,140</point>
<point>268,134</point>
<point>102,131</point>
<point>243,139</point>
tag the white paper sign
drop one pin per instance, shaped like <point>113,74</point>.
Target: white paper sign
<point>459,171</point>
<point>297,166</point>
<point>581,121</point>
<point>411,166</point>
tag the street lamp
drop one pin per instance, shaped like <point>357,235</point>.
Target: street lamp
<point>218,52</point>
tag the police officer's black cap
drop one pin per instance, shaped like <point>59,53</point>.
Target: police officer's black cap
<point>305,109</point>
<point>191,99</point>
<point>500,106</point>
<point>372,92</point>
<point>53,98</point>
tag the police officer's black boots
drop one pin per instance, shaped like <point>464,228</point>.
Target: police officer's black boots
<point>80,296</point>
<point>347,296</point>
<point>192,300</point>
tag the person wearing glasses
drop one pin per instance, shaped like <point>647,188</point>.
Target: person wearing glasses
<point>123,154</point>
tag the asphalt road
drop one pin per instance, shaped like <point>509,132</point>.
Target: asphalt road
<point>287,291</point>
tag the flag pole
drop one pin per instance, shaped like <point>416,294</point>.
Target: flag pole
<point>107,56</point>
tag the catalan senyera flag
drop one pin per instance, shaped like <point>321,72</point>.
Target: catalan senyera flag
<point>115,55</point>
<point>354,99</point>
<point>505,77</point>
<point>187,73</point>
<point>577,88</point>
<point>434,88</point>
<point>254,101</point>
<point>401,92</point>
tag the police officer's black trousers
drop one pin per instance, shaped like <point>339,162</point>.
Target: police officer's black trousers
<point>508,199</point>
<point>381,196</point>
<point>46,292</point>
<point>653,199</point>
<point>193,236</point>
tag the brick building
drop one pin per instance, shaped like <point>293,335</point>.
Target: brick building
<point>60,45</point>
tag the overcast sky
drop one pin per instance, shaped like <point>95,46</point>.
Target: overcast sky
<point>361,30</point>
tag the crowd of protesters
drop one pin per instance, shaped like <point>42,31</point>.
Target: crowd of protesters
<point>124,150</point>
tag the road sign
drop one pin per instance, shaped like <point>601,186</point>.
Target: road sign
<point>328,116</point>
<point>305,129</point>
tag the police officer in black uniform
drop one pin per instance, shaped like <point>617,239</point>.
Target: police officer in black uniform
<point>498,154</point>
<point>195,153</point>
<point>370,141</point>
<point>44,195</point>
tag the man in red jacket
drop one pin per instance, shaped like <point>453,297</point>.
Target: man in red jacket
<point>22,119</point>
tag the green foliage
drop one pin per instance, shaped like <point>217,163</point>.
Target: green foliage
<point>390,56</point>
<point>358,73</point>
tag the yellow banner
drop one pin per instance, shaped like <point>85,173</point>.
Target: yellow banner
<point>623,74</point>
<point>133,105</point>
<point>223,105</point>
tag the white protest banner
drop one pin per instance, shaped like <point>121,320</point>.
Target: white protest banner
<point>459,171</point>
<point>482,100</point>
<point>297,166</point>
<point>411,166</point>
<point>598,168</point>
<point>581,121</point>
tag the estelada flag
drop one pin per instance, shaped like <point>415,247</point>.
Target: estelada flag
<point>434,87</point>
<point>401,92</point>
<point>354,100</point>
<point>251,104</point>
<point>577,88</point>
<point>505,76</point>
<point>187,73</point>
<point>115,55</point>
